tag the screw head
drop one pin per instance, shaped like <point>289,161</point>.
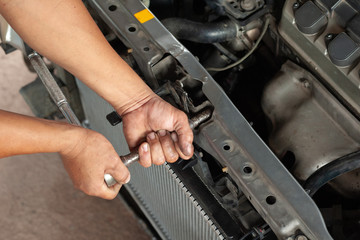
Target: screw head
<point>329,36</point>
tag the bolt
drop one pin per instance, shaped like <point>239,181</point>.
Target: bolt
<point>306,84</point>
<point>329,36</point>
<point>296,5</point>
<point>248,5</point>
<point>301,237</point>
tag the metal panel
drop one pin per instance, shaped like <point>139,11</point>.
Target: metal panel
<point>293,210</point>
<point>167,203</point>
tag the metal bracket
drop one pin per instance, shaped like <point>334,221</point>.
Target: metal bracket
<point>272,190</point>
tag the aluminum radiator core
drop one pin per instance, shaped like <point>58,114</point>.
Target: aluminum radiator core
<point>170,205</point>
<point>164,199</point>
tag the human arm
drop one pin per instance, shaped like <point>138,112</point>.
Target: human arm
<point>80,149</point>
<point>64,32</point>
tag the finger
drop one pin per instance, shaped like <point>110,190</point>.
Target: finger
<point>174,137</point>
<point>119,172</point>
<point>145,155</point>
<point>184,134</point>
<point>157,155</point>
<point>109,193</point>
<point>168,146</point>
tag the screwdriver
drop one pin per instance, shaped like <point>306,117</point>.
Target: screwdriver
<point>61,102</point>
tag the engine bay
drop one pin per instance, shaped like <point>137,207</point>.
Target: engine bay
<point>294,76</point>
<point>280,156</point>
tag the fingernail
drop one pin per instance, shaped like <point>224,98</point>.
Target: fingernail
<point>127,179</point>
<point>145,147</point>
<point>188,150</point>
<point>162,133</point>
<point>151,136</point>
<point>174,137</point>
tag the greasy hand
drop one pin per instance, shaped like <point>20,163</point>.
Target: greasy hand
<point>163,130</point>
<point>88,159</point>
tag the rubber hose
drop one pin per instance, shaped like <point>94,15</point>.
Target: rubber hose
<point>330,171</point>
<point>213,32</point>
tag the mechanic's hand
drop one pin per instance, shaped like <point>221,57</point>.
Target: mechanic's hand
<point>162,130</point>
<point>88,159</point>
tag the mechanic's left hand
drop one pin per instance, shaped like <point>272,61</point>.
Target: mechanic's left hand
<point>162,130</point>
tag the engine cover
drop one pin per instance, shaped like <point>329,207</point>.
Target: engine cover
<point>326,35</point>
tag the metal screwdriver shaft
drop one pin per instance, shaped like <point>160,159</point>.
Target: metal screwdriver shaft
<point>52,87</point>
<point>60,100</point>
<point>58,97</point>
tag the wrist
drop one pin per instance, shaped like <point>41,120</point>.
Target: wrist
<point>131,104</point>
<point>70,138</point>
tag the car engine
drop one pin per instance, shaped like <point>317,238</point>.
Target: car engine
<point>280,156</point>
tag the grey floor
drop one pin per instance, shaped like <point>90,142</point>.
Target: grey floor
<point>37,199</point>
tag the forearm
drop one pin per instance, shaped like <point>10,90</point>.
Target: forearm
<point>64,32</point>
<point>23,135</point>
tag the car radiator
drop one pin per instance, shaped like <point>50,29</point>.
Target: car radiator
<point>161,195</point>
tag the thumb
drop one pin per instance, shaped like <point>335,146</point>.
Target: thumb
<point>121,174</point>
<point>184,135</point>
<point>110,193</point>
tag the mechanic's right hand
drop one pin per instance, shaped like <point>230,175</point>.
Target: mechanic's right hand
<point>88,157</point>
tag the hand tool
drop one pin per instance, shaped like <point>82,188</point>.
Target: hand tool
<point>60,100</point>
<point>55,92</point>
<point>132,157</point>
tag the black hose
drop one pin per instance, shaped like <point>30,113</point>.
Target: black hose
<point>201,32</point>
<point>332,170</point>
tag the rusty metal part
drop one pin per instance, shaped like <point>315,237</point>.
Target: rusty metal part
<point>199,119</point>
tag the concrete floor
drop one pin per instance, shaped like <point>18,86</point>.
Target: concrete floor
<point>37,199</point>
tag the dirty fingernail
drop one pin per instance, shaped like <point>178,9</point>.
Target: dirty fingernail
<point>145,147</point>
<point>174,137</point>
<point>162,133</point>
<point>151,136</point>
<point>188,150</point>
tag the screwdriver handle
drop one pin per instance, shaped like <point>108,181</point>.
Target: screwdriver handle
<point>132,157</point>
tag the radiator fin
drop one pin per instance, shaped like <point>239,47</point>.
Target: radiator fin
<point>170,204</point>
<point>165,200</point>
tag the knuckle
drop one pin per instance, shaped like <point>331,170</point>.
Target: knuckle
<point>183,117</point>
